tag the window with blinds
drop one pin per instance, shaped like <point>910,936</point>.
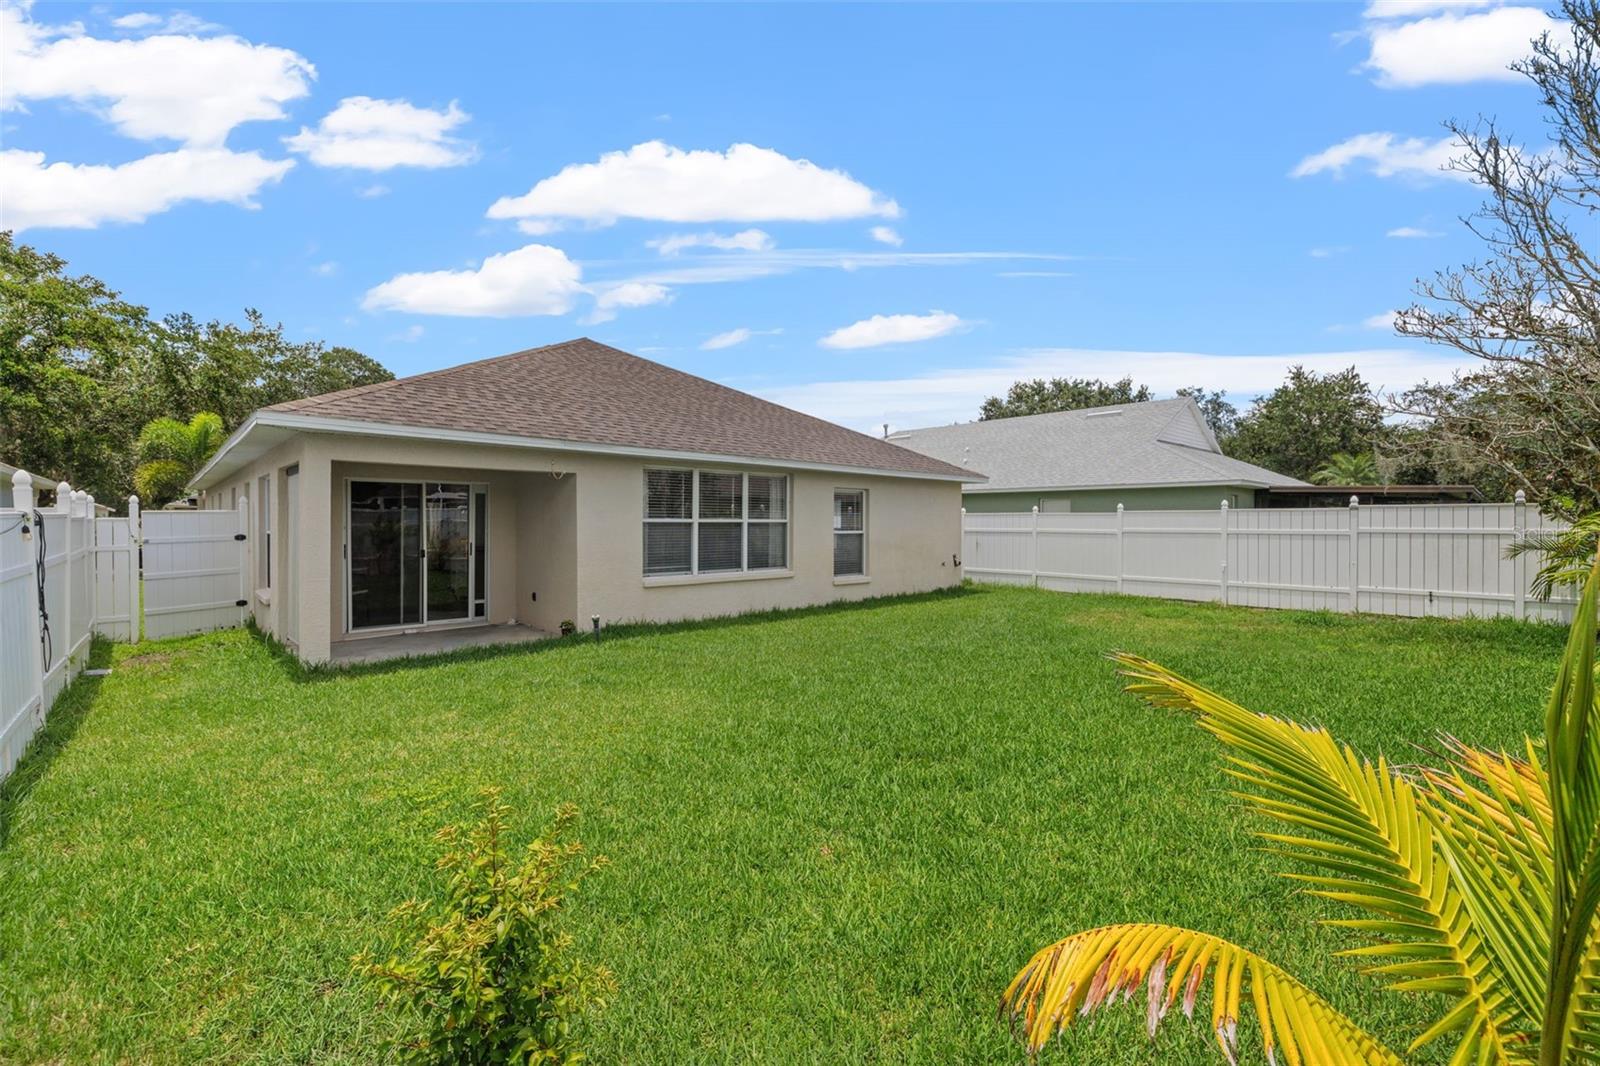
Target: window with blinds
<point>849,532</point>
<point>714,522</point>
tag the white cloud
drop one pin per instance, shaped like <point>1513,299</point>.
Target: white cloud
<point>886,235</point>
<point>1411,233</point>
<point>657,181</point>
<point>372,192</point>
<point>733,337</point>
<point>532,280</point>
<point>82,196</point>
<point>325,270</point>
<point>190,89</point>
<point>540,227</point>
<point>1384,320</point>
<point>138,20</point>
<point>1452,48</point>
<point>1035,274</point>
<point>893,329</point>
<point>954,394</point>
<point>1387,155</point>
<point>1328,252</point>
<point>749,240</point>
<point>714,269</point>
<point>174,22</point>
<point>1387,9</point>
<point>370,134</point>
<point>409,335</point>
<point>609,300</point>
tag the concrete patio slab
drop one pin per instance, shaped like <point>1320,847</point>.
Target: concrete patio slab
<point>431,642</point>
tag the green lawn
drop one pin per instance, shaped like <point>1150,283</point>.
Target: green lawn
<point>835,834</point>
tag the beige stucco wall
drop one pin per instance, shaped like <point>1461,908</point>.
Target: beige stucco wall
<point>572,546</point>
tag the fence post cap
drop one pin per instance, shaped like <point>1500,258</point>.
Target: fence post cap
<point>22,479</point>
<point>1224,505</point>
<point>1355,501</point>
<point>1521,497</point>
<point>1035,508</point>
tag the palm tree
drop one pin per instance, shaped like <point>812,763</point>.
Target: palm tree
<point>1343,468</point>
<point>1479,879</point>
<point>171,452</point>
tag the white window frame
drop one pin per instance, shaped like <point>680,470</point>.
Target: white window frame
<point>744,521</point>
<point>866,518</point>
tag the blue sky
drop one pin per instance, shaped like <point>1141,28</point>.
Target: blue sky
<point>873,213</point>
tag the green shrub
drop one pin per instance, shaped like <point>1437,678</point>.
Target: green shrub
<point>488,975</point>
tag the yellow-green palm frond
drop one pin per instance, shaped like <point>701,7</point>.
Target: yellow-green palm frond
<point>1074,977</point>
<point>1571,1026</point>
<point>1365,831</point>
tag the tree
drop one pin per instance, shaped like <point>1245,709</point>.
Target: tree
<point>72,394</point>
<point>1220,415</point>
<point>234,370</point>
<point>172,452</point>
<point>1039,396</point>
<point>1342,468</point>
<point>1475,881</point>
<point>81,370</point>
<point>1296,428</point>
<point>1530,312</point>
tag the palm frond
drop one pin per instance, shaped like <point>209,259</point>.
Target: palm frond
<point>1572,744</point>
<point>1076,976</point>
<point>1363,828</point>
<point>1566,555</point>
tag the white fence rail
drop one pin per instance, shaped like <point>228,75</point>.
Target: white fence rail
<point>66,574</point>
<point>1421,560</point>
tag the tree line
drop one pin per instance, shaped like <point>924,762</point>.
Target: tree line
<point>94,390</point>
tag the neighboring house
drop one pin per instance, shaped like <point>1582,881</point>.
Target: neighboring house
<point>568,482</point>
<point>6,499</point>
<point>1157,455</point>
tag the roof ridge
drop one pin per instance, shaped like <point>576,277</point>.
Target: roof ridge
<point>1130,405</point>
<point>758,399</point>
<point>379,386</point>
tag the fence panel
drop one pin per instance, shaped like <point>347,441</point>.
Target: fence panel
<point>116,579</point>
<point>194,564</point>
<point>1445,560</point>
<point>19,639</point>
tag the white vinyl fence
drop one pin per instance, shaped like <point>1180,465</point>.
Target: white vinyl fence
<point>66,575</point>
<point>1418,560</point>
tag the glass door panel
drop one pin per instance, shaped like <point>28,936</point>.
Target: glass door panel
<point>449,561</point>
<point>480,554</point>
<point>385,544</point>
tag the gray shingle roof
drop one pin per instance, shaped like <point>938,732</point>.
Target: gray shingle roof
<point>1160,442</point>
<point>584,392</point>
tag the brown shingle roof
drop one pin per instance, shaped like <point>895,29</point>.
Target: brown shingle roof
<point>586,392</point>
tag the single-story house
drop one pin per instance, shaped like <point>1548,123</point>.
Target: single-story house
<point>563,483</point>
<point>1157,455</point>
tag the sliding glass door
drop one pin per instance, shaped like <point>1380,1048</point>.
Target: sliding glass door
<point>411,548</point>
<point>449,551</point>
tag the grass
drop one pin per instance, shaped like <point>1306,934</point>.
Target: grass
<point>836,834</point>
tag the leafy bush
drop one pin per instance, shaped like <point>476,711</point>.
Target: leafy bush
<point>488,974</point>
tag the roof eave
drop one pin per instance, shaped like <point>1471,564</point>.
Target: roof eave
<point>1114,485</point>
<point>324,424</point>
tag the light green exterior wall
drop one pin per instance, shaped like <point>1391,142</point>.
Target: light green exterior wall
<point>1176,498</point>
